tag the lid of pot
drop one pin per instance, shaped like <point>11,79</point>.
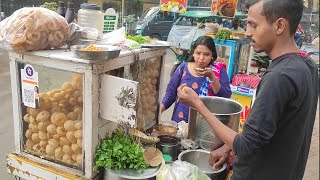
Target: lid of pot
<point>90,6</point>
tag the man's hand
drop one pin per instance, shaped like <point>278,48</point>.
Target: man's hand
<point>188,96</point>
<point>219,156</point>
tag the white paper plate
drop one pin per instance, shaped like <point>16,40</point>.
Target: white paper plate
<point>156,44</point>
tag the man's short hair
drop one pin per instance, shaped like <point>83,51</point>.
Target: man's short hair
<point>290,10</point>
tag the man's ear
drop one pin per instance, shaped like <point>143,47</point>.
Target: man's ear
<point>281,25</point>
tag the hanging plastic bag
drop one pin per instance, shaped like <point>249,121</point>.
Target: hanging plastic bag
<point>82,35</point>
<point>181,170</point>
<point>114,37</point>
<point>33,28</point>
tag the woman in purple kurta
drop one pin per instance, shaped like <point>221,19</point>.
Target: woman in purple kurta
<point>215,79</point>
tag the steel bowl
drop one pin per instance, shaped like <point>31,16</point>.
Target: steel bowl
<point>108,52</point>
<point>200,158</point>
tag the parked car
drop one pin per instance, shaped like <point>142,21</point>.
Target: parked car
<point>156,23</point>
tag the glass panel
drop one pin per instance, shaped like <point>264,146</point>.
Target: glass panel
<point>53,128</point>
<point>148,14</point>
<point>244,58</point>
<point>147,73</point>
<point>224,54</point>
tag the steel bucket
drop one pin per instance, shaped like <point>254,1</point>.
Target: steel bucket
<point>226,110</point>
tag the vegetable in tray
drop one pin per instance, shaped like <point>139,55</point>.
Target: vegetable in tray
<point>223,34</point>
<point>139,38</point>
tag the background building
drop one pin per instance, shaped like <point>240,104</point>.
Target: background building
<point>9,6</point>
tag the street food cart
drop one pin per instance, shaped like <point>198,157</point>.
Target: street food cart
<point>64,105</point>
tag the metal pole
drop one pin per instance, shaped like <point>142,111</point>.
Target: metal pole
<point>122,14</point>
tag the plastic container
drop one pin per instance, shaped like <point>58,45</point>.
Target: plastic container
<point>90,15</point>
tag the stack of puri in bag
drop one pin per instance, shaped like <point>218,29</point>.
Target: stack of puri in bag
<point>33,29</point>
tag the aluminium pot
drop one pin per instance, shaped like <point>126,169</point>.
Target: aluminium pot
<point>226,110</point>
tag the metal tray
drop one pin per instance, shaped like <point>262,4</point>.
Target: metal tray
<point>108,52</point>
<point>136,174</point>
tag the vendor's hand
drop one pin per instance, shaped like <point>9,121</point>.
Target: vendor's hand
<point>218,157</point>
<point>188,96</point>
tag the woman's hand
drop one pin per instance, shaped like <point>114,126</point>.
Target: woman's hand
<point>206,72</point>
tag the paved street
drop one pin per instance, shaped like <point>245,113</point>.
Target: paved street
<point>6,121</point>
<point>6,125</point>
<point>312,169</point>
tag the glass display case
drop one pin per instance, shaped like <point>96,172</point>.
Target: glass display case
<point>234,53</point>
<point>63,106</point>
<point>52,111</point>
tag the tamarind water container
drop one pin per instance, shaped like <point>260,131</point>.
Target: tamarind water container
<point>90,15</point>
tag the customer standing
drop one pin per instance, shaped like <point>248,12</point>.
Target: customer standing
<point>276,138</point>
<point>202,74</point>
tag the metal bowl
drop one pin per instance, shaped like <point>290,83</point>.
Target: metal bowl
<point>108,52</point>
<point>200,158</point>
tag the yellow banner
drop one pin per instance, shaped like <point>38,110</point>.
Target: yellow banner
<point>245,101</point>
<point>178,6</point>
<point>224,7</point>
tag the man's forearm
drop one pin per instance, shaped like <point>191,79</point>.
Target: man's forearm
<point>226,134</point>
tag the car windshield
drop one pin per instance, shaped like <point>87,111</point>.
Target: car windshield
<point>148,14</point>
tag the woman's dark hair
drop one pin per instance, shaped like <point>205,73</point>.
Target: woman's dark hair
<point>209,43</point>
<point>36,88</point>
<point>291,10</point>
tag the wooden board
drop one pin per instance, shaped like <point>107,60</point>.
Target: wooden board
<point>118,99</point>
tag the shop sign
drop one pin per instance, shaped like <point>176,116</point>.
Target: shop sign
<point>178,6</point>
<point>30,86</point>
<point>242,90</point>
<point>224,7</point>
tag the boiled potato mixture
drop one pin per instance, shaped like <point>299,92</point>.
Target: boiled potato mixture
<point>55,129</point>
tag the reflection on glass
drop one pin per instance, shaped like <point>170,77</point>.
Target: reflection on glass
<point>224,54</point>
<point>54,129</point>
<point>148,14</point>
<point>244,57</point>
